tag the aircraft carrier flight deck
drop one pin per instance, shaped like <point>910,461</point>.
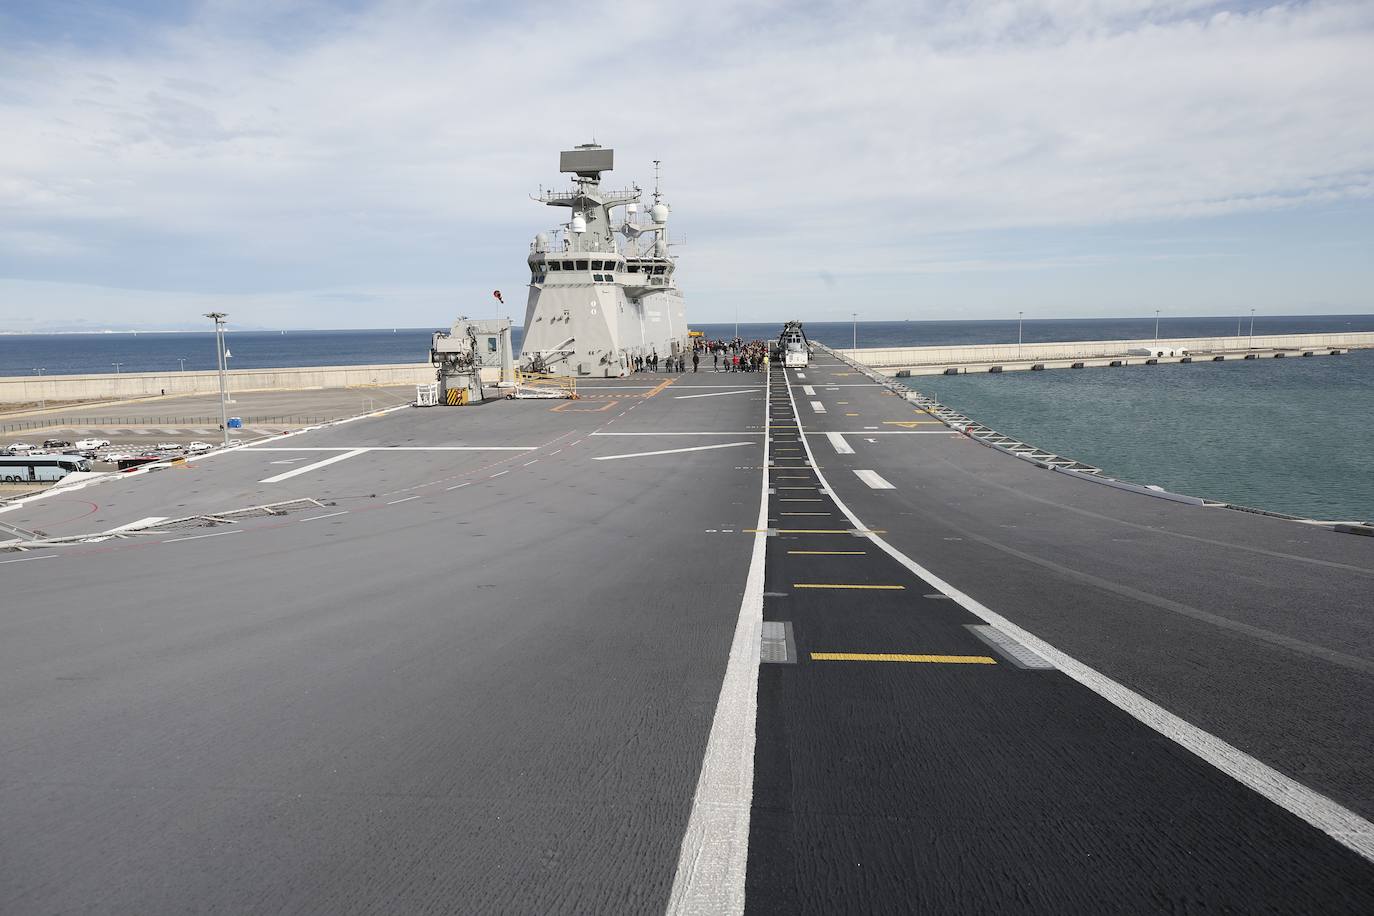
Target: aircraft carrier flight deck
<point>692,642</point>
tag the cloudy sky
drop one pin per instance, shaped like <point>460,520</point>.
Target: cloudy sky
<point>365,164</point>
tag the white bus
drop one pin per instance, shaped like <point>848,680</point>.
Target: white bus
<point>39,468</point>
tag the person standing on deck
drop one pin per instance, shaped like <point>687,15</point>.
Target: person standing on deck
<point>696,358</point>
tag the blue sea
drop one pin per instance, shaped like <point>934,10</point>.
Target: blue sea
<point>1291,435</point>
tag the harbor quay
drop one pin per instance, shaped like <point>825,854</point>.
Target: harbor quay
<point>1085,354</point>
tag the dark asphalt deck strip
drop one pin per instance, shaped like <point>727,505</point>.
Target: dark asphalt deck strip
<point>986,788</point>
<point>1300,714</point>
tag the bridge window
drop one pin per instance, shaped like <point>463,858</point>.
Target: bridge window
<point>658,270</point>
<point>581,265</point>
<point>554,265</point>
<point>567,265</point>
<point>596,265</point>
<point>633,268</point>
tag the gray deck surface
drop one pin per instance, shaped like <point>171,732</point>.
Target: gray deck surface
<point>486,685</point>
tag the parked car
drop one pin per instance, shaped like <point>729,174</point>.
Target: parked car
<point>19,448</point>
<point>56,443</point>
<point>199,447</point>
<point>168,446</point>
<point>92,443</point>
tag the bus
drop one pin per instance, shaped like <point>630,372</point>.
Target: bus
<point>40,468</point>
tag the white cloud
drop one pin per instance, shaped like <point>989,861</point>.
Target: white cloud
<point>267,153</point>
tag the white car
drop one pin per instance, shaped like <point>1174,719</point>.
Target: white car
<point>20,448</point>
<point>92,443</point>
<point>199,447</point>
<point>168,446</point>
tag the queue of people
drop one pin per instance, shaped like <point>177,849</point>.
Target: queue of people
<point>726,356</point>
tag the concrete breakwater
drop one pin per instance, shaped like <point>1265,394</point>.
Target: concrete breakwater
<point>27,389</point>
<point>904,361</point>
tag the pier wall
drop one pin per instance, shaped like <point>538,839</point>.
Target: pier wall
<point>25,389</point>
<point>979,357</point>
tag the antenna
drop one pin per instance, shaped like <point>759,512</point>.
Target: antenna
<point>657,193</point>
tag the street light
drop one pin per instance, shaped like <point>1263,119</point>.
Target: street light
<point>116,365</point>
<point>855,316</point>
<point>182,360</point>
<point>218,318</point>
<point>1156,327</point>
<point>1252,329</point>
<point>1018,334</point>
<point>42,401</point>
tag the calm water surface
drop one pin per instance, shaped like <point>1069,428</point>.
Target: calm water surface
<point>1292,435</point>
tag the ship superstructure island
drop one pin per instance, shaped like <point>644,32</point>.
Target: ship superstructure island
<point>596,303</point>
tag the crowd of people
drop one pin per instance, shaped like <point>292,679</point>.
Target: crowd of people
<point>724,355</point>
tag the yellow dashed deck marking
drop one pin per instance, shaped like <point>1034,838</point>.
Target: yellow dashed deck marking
<point>568,407</point>
<point>910,423</point>
<point>831,585</point>
<point>895,657</point>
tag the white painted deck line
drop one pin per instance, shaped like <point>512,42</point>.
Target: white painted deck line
<point>1335,820</point>
<point>818,407</point>
<point>304,469</point>
<point>46,556</point>
<point>673,451</point>
<point>141,523</point>
<point>842,447</point>
<point>874,480</point>
<point>316,518</point>
<point>809,391</point>
<point>712,394</point>
<point>712,861</point>
<point>695,432</point>
<point>405,500</point>
<point>390,448</point>
<point>197,537</point>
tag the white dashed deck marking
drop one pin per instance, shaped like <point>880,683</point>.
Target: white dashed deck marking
<point>711,394</point>
<point>673,451</point>
<point>286,475</point>
<point>873,480</point>
<point>841,446</point>
<point>818,407</point>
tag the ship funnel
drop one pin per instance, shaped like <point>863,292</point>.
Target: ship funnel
<point>579,223</point>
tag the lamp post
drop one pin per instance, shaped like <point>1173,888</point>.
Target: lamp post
<point>218,318</point>
<point>855,316</point>
<point>182,360</point>
<point>42,401</point>
<point>1018,334</point>
<point>116,365</point>
<point>1156,328</point>
<point>1252,329</point>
